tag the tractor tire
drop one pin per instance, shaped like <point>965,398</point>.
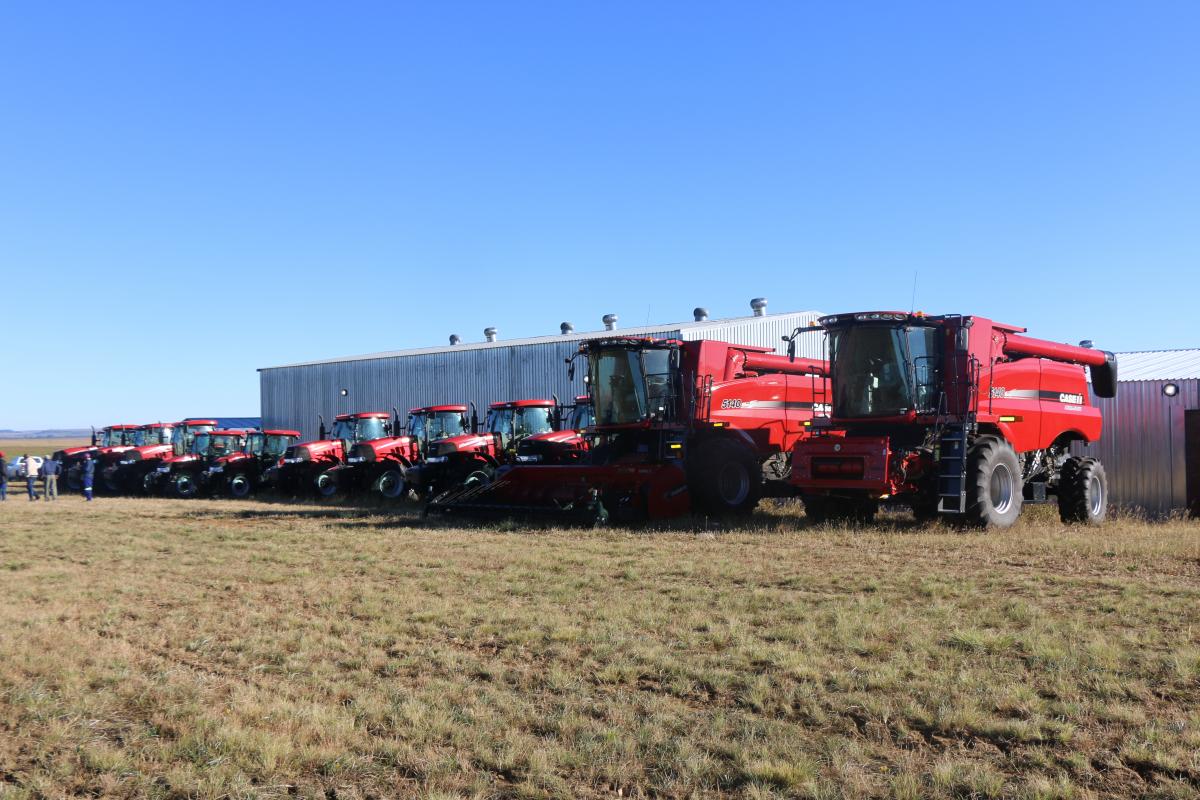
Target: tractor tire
<point>240,486</point>
<point>108,479</point>
<point>390,484</point>
<point>146,482</point>
<point>74,480</point>
<point>185,486</point>
<point>724,479</point>
<point>1082,492</point>
<point>479,475</point>
<point>994,494</point>
<point>821,509</point>
<point>326,484</point>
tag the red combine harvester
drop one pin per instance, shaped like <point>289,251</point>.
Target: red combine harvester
<point>139,469</point>
<point>109,438</point>
<point>472,458</point>
<point>316,466</point>
<point>953,415</point>
<point>184,475</point>
<point>240,474</point>
<point>703,425</point>
<point>382,467</point>
<point>566,446</point>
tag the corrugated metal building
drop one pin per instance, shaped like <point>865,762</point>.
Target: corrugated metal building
<point>1150,447</point>
<point>483,372</point>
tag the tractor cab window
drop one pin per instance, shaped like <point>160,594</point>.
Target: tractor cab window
<point>630,386</point>
<point>183,437</point>
<point>152,436</point>
<point>371,428</point>
<point>444,424</point>
<point>581,417</point>
<point>219,445</point>
<point>532,420</point>
<point>881,371</point>
<point>254,443</point>
<point>128,437</point>
<point>274,445</point>
<point>500,423</point>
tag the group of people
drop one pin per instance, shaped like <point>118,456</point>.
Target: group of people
<point>49,471</point>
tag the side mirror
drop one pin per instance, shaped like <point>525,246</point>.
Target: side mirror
<point>93,436</point>
<point>1104,377</point>
<point>791,349</point>
<point>320,427</point>
<point>474,419</point>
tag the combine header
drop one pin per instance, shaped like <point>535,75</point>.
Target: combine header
<point>953,415</point>
<point>702,425</point>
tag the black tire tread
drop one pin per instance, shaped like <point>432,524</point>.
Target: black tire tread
<point>1073,501</point>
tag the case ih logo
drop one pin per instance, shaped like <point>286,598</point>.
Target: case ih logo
<point>1075,399</point>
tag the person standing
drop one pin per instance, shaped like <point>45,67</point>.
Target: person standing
<point>50,470</point>
<point>3,477</point>
<point>30,472</point>
<point>89,475</point>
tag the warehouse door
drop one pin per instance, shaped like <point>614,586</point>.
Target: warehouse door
<point>1191,451</point>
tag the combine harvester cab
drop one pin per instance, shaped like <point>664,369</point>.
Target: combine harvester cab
<point>186,476</point>
<point>314,467</point>
<point>956,416</point>
<point>472,459</point>
<point>134,473</point>
<point>256,466</point>
<point>678,426</point>
<point>383,466</point>
<point>71,458</point>
<point>569,445</point>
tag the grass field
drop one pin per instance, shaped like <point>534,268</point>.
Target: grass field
<point>37,447</point>
<point>218,649</point>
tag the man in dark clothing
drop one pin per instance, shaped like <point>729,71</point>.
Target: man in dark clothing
<point>89,475</point>
<point>3,478</point>
<point>30,470</point>
<point>50,471</point>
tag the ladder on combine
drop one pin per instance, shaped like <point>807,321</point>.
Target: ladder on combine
<point>952,469</point>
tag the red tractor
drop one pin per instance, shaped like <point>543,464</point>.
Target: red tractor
<point>138,471</point>
<point>953,415</point>
<point>473,458</point>
<point>184,475</point>
<point>240,474</point>
<point>108,440</point>
<point>566,446</point>
<point>382,466</point>
<point>317,466</point>
<point>702,425</point>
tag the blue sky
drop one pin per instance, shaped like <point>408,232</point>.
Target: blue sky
<point>191,191</point>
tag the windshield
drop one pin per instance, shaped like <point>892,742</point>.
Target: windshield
<point>432,426</point>
<point>533,420</point>
<point>274,445</point>
<point>629,386</point>
<point>359,430</point>
<point>218,445</point>
<point>184,436</point>
<point>881,371</point>
<point>582,417</point>
<point>152,436</point>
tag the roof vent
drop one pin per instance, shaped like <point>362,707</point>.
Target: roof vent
<point>566,328</point>
<point>455,339</point>
<point>610,322</point>
<point>489,334</point>
<point>701,314</point>
<point>1087,343</point>
<point>759,304</point>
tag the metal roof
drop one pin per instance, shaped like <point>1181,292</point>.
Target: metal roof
<point>1159,365</point>
<point>640,330</point>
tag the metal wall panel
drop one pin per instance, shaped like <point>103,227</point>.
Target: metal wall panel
<point>293,396</point>
<point>1142,444</point>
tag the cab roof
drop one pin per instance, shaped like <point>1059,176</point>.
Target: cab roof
<point>433,409</point>
<point>228,432</point>
<point>191,422</point>
<point>583,399</point>
<point>363,415</point>
<point>156,425</point>
<point>279,432</point>
<point>122,427</point>
<point>523,404</point>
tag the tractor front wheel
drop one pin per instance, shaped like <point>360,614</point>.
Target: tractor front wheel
<point>390,484</point>
<point>326,484</point>
<point>1082,492</point>
<point>725,478</point>
<point>994,493</point>
<point>185,486</point>
<point>240,486</point>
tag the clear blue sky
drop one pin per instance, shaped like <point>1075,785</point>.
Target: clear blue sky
<point>191,191</point>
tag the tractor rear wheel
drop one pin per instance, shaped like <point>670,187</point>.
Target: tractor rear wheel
<point>326,484</point>
<point>994,493</point>
<point>390,484</point>
<point>74,479</point>
<point>240,486</point>
<point>724,478</point>
<point>1082,491</point>
<point>108,479</point>
<point>821,509</point>
<point>185,486</point>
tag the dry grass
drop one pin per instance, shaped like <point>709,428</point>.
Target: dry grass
<point>38,447</point>
<point>220,649</point>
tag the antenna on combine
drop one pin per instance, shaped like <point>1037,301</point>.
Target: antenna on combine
<point>912,306</point>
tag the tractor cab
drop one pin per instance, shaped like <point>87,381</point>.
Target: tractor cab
<point>238,474</point>
<point>116,436</point>
<point>435,423</point>
<point>269,445</point>
<point>633,382</point>
<point>563,446</point>
<point>512,421</point>
<point>183,437</point>
<point>349,429</point>
<point>154,434</point>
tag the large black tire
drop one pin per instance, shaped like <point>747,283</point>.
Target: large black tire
<point>724,478</point>
<point>994,494</point>
<point>146,482</point>
<point>185,485</point>
<point>326,484</point>
<point>479,475</point>
<point>821,509</point>
<point>109,481</point>
<point>74,479</point>
<point>390,484</point>
<point>240,486</point>
<point>1082,492</point>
